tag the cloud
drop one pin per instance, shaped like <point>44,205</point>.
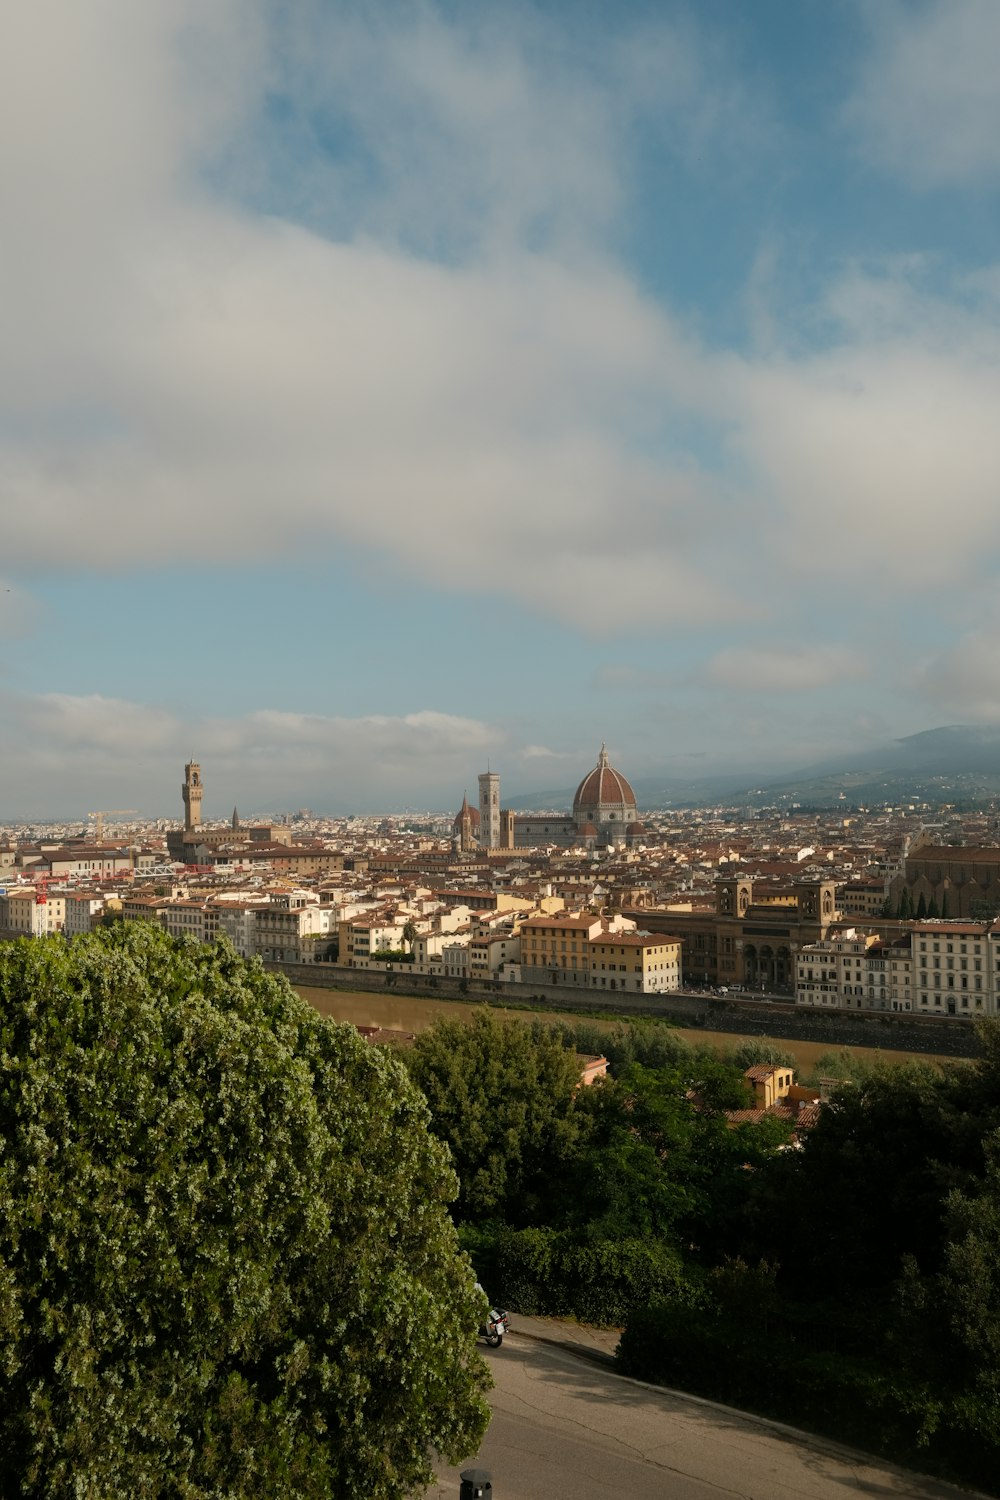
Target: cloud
<point>71,753</point>
<point>542,752</point>
<point>926,105</point>
<point>192,381</point>
<point>879,456</point>
<point>784,669</point>
<point>294,284</point>
<point>964,679</point>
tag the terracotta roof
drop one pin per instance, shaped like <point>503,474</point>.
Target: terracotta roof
<point>603,787</point>
<point>745,1116</point>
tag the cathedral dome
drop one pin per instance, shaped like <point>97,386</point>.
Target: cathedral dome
<point>473,814</point>
<point>604,794</point>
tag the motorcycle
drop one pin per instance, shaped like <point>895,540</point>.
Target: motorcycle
<point>493,1330</point>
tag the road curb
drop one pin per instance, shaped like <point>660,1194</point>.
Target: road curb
<point>581,1351</point>
<point>816,1441</point>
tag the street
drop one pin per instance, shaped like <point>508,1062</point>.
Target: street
<point>566,1429</point>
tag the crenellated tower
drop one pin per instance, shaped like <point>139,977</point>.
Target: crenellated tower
<point>191,792</point>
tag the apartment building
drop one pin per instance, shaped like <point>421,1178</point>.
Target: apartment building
<point>363,937</point>
<point>290,928</point>
<point>238,923</point>
<point>492,945</point>
<point>555,950</point>
<point>32,913</point>
<point>942,968</point>
<point>953,974</point>
<point>644,962</point>
<point>834,972</point>
<point>83,910</point>
<point>596,953</point>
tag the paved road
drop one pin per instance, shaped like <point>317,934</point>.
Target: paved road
<point>565,1428</point>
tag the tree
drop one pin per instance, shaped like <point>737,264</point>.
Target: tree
<point>409,934</point>
<point>658,1158</point>
<point>967,1292</point>
<point>502,1094</point>
<point>226,1264</point>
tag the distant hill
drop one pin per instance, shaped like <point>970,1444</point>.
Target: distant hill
<point>955,763</point>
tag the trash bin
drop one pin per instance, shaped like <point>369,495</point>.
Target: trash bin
<point>475,1485</point>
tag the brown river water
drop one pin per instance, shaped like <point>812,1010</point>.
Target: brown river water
<point>411,1013</point>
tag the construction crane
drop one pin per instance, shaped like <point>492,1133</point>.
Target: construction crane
<point>109,812</point>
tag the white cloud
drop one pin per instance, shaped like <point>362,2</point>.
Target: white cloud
<point>796,669</point>
<point>64,754</point>
<point>926,104</point>
<point>186,380</point>
<point>448,368</point>
<point>542,752</point>
<point>879,458</point>
<point>95,724</point>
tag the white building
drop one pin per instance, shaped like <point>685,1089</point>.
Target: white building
<point>83,911</point>
<point>938,968</point>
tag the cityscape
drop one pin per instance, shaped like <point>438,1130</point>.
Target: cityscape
<point>500,750</point>
<point>893,911</point>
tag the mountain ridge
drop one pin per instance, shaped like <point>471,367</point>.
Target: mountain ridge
<point>949,763</point>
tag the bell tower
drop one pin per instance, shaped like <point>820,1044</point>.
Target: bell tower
<point>489,810</point>
<point>191,792</point>
<point>733,897</point>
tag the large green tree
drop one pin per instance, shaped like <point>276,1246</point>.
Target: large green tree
<point>226,1263</point>
<point>503,1095</point>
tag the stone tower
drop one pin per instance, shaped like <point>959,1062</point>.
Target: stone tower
<point>489,810</point>
<point>191,792</point>
<point>467,838</point>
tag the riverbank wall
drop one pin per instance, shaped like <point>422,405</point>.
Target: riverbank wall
<point>890,1031</point>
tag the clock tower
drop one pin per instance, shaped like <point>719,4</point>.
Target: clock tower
<point>191,792</point>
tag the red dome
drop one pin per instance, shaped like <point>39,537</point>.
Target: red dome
<point>473,813</point>
<point>634,828</point>
<point>603,787</point>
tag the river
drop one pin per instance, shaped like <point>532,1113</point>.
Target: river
<point>414,1013</point>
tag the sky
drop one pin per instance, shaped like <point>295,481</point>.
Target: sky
<point>392,389</point>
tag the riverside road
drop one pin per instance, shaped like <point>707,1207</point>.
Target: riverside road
<point>566,1428</point>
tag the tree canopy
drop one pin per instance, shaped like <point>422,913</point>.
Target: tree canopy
<point>226,1262</point>
<point>502,1095</point>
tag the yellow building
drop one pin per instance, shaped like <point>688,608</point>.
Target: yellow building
<point>554,950</point>
<point>594,953</point>
<point>644,962</point>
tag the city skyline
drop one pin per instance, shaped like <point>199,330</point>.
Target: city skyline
<point>392,391</point>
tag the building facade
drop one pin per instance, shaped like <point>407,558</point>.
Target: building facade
<point>751,936</point>
<point>937,968</point>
